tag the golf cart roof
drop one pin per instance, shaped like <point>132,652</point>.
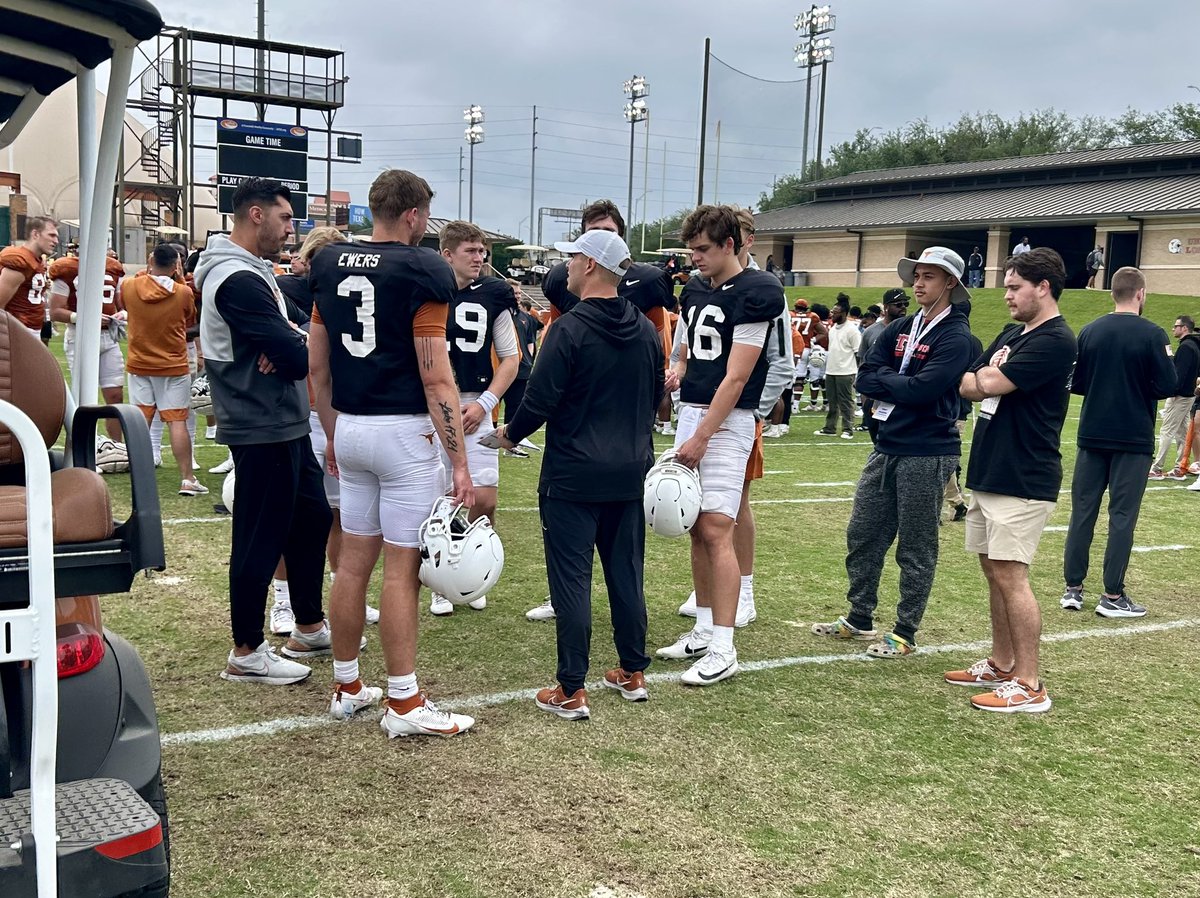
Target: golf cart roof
<point>46,42</point>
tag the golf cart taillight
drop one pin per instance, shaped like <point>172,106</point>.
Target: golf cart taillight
<point>80,648</point>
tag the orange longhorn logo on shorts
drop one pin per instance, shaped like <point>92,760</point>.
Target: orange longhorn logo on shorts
<point>429,437</point>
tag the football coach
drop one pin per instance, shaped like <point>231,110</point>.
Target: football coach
<point>596,386</point>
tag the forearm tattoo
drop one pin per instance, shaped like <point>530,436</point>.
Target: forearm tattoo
<point>448,426</point>
<point>427,354</point>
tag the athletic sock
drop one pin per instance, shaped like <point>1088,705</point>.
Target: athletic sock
<point>704,623</point>
<point>722,640</point>
<point>345,671</point>
<point>281,590</point>
<point>747,588</point>
<point>400,688</point>
<point>332,576</point>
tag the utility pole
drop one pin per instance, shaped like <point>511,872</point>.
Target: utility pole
<point>703,122</point>
<point>532,173</point>
<point>261,60</point>
<point>460,182</point>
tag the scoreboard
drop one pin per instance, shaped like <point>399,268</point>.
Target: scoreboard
<point>261,150</point>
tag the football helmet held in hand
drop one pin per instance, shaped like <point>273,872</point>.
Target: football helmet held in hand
<point>461,560</point>
<point>672,497</point>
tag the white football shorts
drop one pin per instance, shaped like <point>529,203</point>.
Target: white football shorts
<point>112,363</point>
<point>723,467</point>
<point>483,462</point>
<point>333,491</point>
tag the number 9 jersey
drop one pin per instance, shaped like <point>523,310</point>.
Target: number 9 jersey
<point>714,320</point>
<point>478,312</point>
<point>372,298</point>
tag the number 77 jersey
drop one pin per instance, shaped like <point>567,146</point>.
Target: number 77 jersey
<point>744,307</point>
<point>372,298</point>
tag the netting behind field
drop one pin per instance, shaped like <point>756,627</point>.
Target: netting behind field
<point>755,132</point>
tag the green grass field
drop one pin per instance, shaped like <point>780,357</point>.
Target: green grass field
<point>798,778</point>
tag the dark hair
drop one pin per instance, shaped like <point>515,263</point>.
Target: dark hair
<point>603,209</point>
<point>718,223</point>
<point>395,191</point>
<point>192,261</point>
<point>164,256</point>
<point>258,192</point>
<point>870,316</point>
<point>874,309</point>
<point>820,310</point>
<point>1186,321</point>
<point>1037,265</point>
<point>855,312</point>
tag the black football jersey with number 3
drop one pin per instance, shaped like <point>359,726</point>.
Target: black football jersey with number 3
<point>367,295</point>
<point>473,316</point>
<point>710,317</point>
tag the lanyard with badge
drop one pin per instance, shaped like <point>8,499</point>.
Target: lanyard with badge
<point>880,410</point>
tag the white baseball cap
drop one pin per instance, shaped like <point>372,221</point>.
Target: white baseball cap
<point>607,248</point>
<point>942,257</point>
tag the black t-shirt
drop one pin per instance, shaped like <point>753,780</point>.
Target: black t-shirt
<point>295,287</point>
<point>1015,449</point>
<point>473,315</point>
<point>367,295</point>
<point>710,317</point>
<point>645,286</point>
<point>1122,370</point>
<point>527,328</point>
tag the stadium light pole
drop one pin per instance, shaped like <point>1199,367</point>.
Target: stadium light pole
<point>811,50</point>
<point>473,116</point>
<point>636,110</point>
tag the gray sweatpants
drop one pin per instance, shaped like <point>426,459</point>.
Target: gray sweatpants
<point>896,495</point>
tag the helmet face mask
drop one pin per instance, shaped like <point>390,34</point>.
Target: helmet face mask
<point>460,559</point>
<point>672,498</point>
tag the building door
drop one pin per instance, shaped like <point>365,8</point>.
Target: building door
<point>1122,251</point>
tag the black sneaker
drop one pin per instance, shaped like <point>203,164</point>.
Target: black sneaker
<point>960,512</point>
<point>1072,599</point>
<point>1121,606</point>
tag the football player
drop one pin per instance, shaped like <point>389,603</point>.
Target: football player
<point>648,288</point>
<point>64,306</point>
<point>727,317</point>
<point>384,392</point>
<point>23,273</point>
<point>484,354</point>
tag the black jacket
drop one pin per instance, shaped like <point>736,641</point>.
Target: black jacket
<point>596,384</point>
<point>1187,365</point>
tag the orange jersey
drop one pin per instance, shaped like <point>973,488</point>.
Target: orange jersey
<point>28,304</point>
<point>66,270</point>
<point>804,328</point>
<point>159,317</point>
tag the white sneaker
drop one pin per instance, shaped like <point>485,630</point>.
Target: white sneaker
<point>784,428</point>
<point>192,488</point>
<point>525,444</point>
<point>690,645</point>
<point>195,464</point>
<point>424,720</point>
<point>746,612</point>
<point>372,615</point>
<point>314,644</point>
<point>158,460</point>
<point>282,619</point>
<point>668,430</point>
<point>265,667</point>
<point>1195,487</point>
<point>345,705</point>
<point>440,605</point>
<point>688,608</point>
<point>712,668</point>
<point>223,468</point>
<point>772,431</point>
<point>544,611</point>
<point>479,604</point>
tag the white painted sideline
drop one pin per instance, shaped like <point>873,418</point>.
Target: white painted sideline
<point>285,724</point>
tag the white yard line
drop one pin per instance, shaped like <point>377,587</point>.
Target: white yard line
<point>286,724</point>
<point>830,483</point>
<point>1176,548</point>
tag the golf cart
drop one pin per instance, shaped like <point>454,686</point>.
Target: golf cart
<point>530,268</point>
<point>678,262</point>
<point>82,809</point>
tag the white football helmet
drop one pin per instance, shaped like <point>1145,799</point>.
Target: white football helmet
<point>227,490</point>
<point>672,497</point>
<point>459,560</point>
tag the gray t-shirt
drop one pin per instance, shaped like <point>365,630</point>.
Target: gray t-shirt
<point>869,336</point>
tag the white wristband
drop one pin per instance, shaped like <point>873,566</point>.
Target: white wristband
<point>488,400</point>
<point>74,317</point>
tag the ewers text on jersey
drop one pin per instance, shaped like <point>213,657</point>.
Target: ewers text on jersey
<point>710,317</point>
<point>368,297</point>
<point>473,315</point>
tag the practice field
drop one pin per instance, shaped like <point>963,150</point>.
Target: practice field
<point>814,772</point>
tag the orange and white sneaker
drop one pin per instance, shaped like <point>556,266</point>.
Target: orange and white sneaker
<point>1014,697</point>
<point>350,698</point>
<point>555,701</point>
<point>983,674</point>
<point>418,716</point>
<point>632,686</point>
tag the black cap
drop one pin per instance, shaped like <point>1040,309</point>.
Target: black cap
<point>895,296</point>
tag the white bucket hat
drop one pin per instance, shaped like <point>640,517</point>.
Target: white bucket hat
<point>946,259</point>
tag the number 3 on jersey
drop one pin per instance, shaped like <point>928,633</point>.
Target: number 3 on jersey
<point>704,340</point>
<point>364,312</point>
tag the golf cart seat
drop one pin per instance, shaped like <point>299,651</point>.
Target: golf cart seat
<point>93,554</point>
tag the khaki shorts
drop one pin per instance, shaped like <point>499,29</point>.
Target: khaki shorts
<point>1005,528</point>
<point>171,395</point>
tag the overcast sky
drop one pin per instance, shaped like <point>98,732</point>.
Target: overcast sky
<point>413,67</point>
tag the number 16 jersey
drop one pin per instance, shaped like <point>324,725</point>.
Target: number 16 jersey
<point>373,298</point>
<point>712,318</point>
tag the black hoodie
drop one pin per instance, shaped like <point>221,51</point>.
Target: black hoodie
<point>1187,365</point>
<point>596,385</point>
